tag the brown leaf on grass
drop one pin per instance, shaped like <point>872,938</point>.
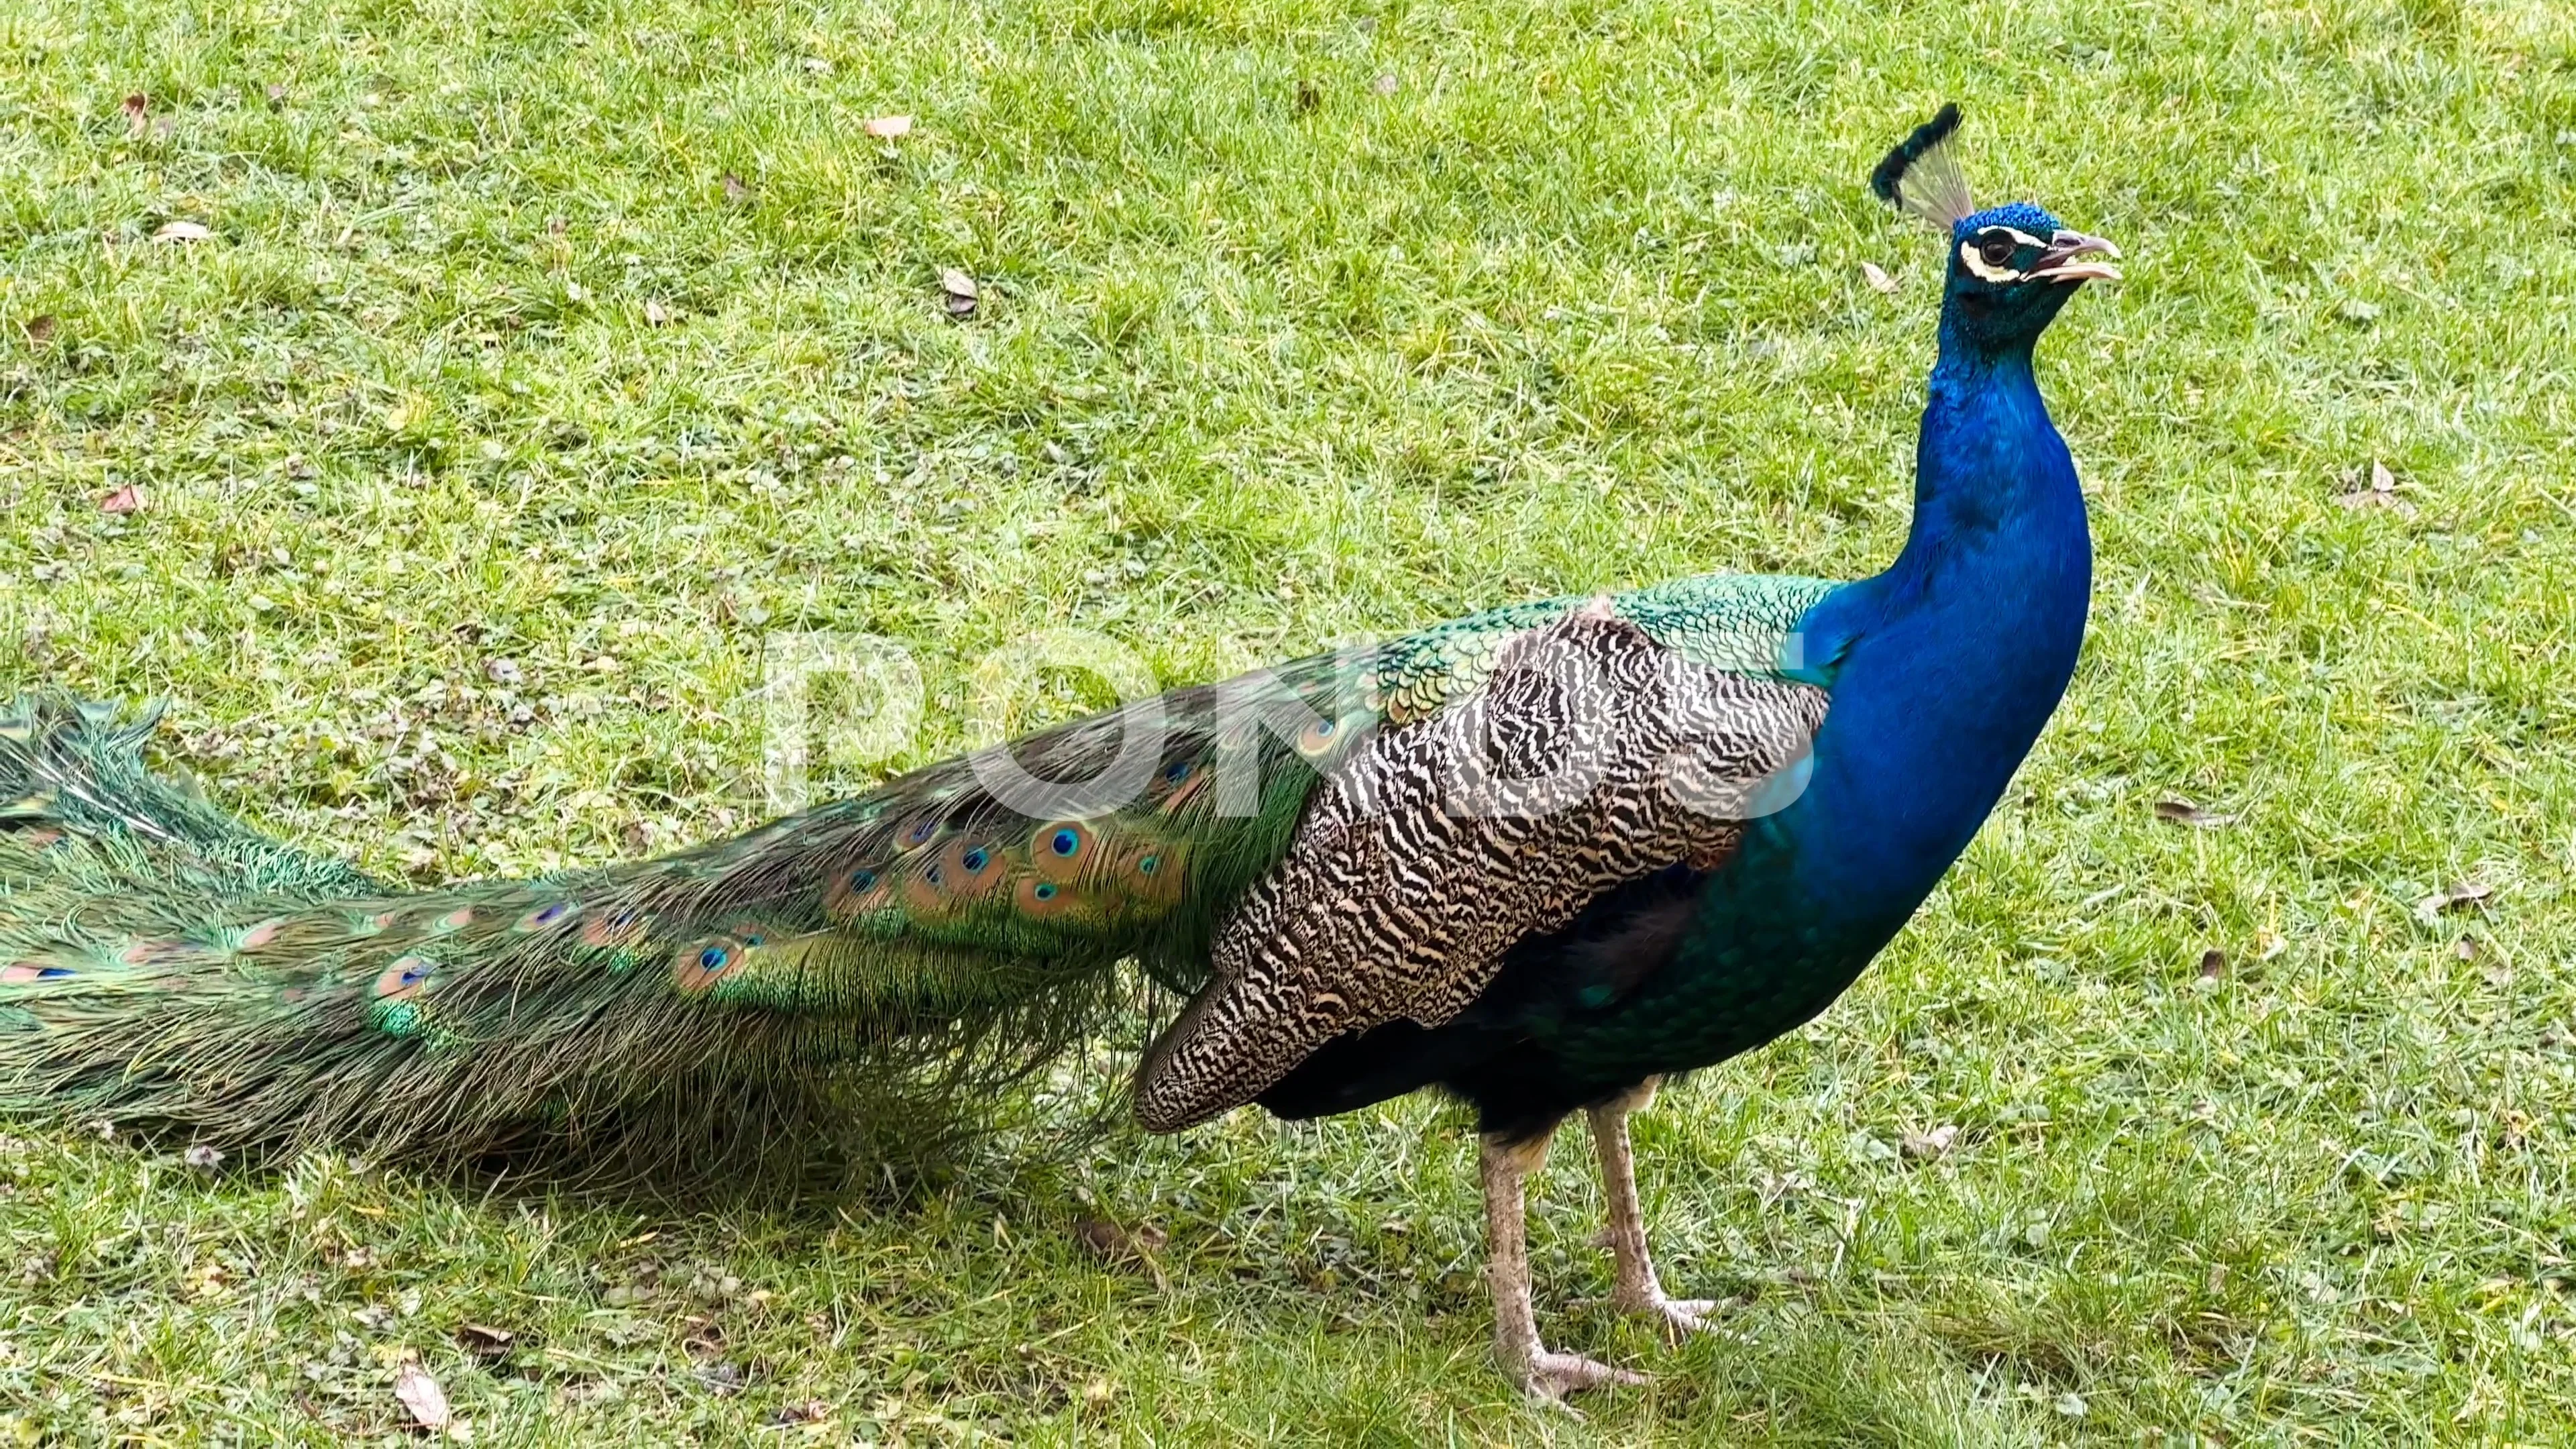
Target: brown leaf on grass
<point>735,190</point>
<point>811,1411</point>
<point>1928,1146</point>
<point>2213,965</point>
<point>1113,1244</point>
<point>421,1394</point>
<point>959,293</point>
<point>887,128</point>
<point>655,314</point>
<point>138,116</point>
<point>1109,1241</point>
<point>1878,279</point>
<point>2183,812</point>
<point>484,1340</point>
<point>182,231</point>
<point>128,499</point>
<point>40,328</point>
<point>2453,897</point>
<point>2375,489</point>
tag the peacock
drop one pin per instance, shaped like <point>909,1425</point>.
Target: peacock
<point>1539,859</point>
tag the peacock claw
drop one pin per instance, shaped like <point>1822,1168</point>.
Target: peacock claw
<point>1549,1377</point>
<point>1679,1318</point>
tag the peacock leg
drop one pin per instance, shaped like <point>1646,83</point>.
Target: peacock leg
<point>1540,1374</point>
<point>1636,1289</point>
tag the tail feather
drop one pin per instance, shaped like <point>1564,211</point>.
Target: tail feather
<point>161,961</point>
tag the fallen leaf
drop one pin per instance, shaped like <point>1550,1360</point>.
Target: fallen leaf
<point>483,1339</point>
<point>734,189</point>
<point>2213,964</point>
<point>2380,491</point>
<point>1926,1146</point>
<point>2183,812</point>
<point>2458,894</point>
<point>276,97</point>
<point>421,1394</point>
<point>138,115</point>
<point>128,499</point>
<point>959,293</point>
<point>888,128</point>
<point>182,231</point>
<point>1109,1240</point>
<point>1386,84</point>
<point>2466,948</point>
<point>811,1411</point>
<point>1878,279</point>
<point>40,328</point>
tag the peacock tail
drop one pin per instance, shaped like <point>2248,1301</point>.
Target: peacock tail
<point>161,961</point>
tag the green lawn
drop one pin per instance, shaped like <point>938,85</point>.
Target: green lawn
<point>544,358</point>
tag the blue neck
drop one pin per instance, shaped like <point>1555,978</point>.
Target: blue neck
<point>1944,667</point>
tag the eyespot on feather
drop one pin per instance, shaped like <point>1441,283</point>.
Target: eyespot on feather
<point>1321,739</point>
<point>455,920</point>
<point>1181,799</point>
<point>1040,899</point>
<point>551,916</point>
<point>1151,873</point>
<point>967,868</point>
<point>697,968</point>
<point>405,979</point>
<point>622,927</point>
<point>1060,849</point>
<point>925,889</point>
<point>857,891</point>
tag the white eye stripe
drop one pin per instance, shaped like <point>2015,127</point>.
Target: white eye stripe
<point>2020,238</point>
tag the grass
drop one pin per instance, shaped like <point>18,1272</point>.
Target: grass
<point>1302,319</point>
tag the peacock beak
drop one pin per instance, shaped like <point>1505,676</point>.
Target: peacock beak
<point>2065,259</point>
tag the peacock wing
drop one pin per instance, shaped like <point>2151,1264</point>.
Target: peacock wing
<point>1592,753</point>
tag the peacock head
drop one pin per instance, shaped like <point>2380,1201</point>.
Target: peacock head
<point>2011,267</point>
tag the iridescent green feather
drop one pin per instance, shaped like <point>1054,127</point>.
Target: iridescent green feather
<point>159,960</point>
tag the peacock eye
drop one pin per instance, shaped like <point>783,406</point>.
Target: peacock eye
<point>1996,248</point>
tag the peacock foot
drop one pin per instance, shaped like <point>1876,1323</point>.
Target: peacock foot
<point>1679,1318</point>
<point>1549,1377</point>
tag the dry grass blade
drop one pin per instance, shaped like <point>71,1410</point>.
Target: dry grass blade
<point>2183,812</point>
